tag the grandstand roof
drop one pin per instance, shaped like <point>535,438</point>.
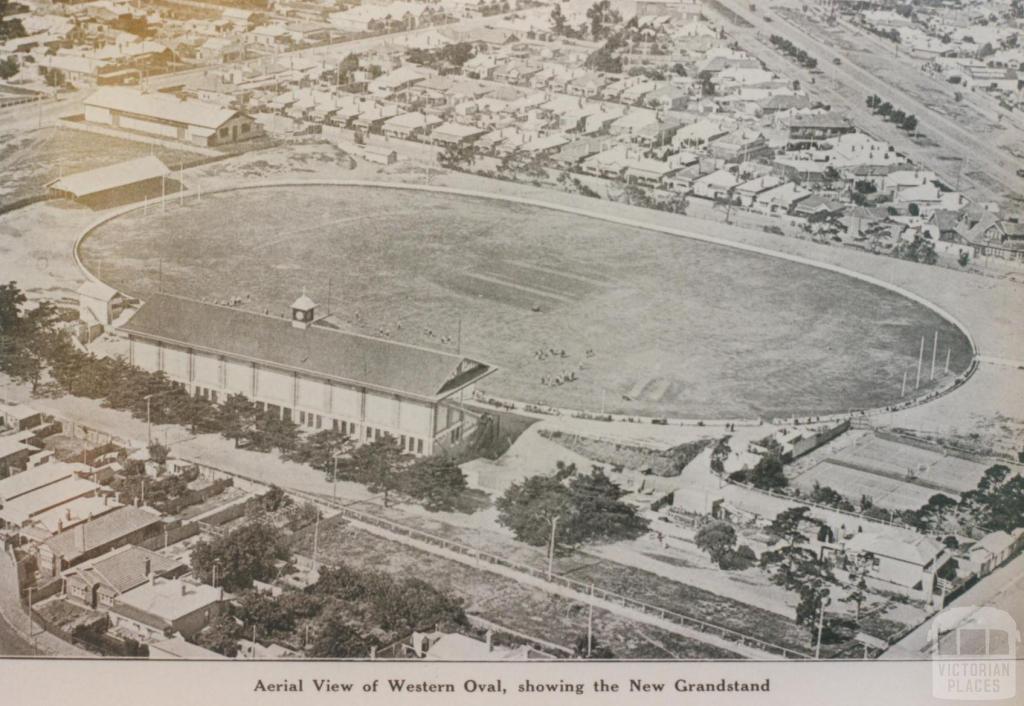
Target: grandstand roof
<point>318,350</point>
<point>111,177</point>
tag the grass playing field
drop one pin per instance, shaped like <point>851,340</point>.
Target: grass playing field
<point>649,323</point>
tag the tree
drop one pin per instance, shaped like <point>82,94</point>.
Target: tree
<point>824,495</point>
<point>964,258</point>
<point>558,20</point>
<point>336,639</point>
<point>8,68</point>
<point>271,431</point>
<point>377,464</point>
<point>997,503</point>
<point>237,418</point>
<point>591,648</point>
<point>9,29</point>
<point>910,123</point>
<point>321,449</point>
<point>221,636</point>
<point>457,156</point>
<point>246,554</point>
<point>885,108</point>
<point>602,19</point>
<point>599,513</point>
<point>437,481</point>
<point>589,507</point>
<point>158,453</point>
<point>768,474</point>
<point>812,597</point>
<point>529,507</point>
<point>717,539</point>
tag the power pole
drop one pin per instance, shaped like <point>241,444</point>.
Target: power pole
<point>590,629</point>
<point>821,625</point>
<point>551,548</point>
<point>903,389</point>
<point>948,351</point>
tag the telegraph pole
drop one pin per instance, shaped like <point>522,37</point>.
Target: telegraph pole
<point>551,548</point>
<point>948,351</point>
<point>935,347</point>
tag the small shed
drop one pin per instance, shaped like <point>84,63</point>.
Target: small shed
<point>98,303</point>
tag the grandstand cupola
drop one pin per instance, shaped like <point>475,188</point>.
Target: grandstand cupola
<point>303,310</point>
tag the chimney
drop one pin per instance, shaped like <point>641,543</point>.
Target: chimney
<point>147,566</point>
<point>67,514</point>
<point>80,537</point>
<point>184,589</point>
<point>489,638</point>
<point>152,579</point>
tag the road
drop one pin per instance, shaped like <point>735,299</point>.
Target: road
<point>1003,589</point>
<point>11,643</point>
<point>851,86</point>
<point>338,49</point>
<point>29,116</point>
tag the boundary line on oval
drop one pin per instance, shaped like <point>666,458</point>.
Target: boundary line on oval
<point>621,220</point>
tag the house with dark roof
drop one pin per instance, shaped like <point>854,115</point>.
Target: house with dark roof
<point>307,371</point>
<point>97,582</point>
<point>84,541</point>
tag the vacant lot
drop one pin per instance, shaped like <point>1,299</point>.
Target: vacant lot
<point>501,600</point>
<point>648,323</point>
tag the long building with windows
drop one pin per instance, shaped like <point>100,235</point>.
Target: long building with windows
<point>307,371</point>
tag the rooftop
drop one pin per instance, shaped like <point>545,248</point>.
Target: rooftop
<point>113,176</point>
<point>123,569</point>
<point>34,478</point>
<point>161,106</point>
<point>170,599</point>
<point>101,531</point>
<point>348,357</point>
<point>21,509</point>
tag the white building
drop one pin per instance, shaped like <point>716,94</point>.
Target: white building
<point>317,376</point>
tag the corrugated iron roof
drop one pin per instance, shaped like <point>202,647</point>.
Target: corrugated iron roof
<point>111,177</point>
<point>318,350</point>
<point>161,106</point>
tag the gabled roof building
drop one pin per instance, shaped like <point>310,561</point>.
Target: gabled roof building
<point>311,373</point>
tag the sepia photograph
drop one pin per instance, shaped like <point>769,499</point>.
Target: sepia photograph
<point>511,351</point>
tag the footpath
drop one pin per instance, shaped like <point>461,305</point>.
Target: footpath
<point>13,612</point>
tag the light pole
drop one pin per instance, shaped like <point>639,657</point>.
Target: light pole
<point>551,547</point>
<point>821,626</point>
<point>31,626</point>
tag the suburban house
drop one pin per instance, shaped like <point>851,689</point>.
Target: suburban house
<point>901,563</point>
<point>98,582</point>
<point>162,607</point>
<point>125,525</point>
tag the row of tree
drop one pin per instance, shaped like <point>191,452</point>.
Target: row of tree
<point>800,55</point>
<point>346,612</point>
<point>31,342</point>
<point>907,121</point>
